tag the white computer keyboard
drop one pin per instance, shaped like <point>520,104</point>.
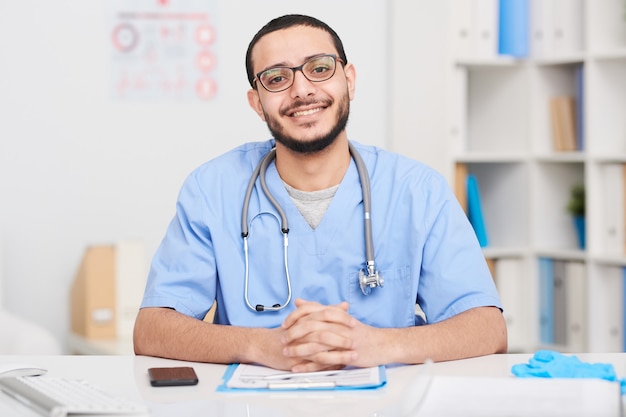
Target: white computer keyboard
<point>61,397</point>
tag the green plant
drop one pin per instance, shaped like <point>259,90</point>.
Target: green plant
<point>576,203</point>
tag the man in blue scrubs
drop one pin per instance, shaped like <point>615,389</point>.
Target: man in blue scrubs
<point>425,248</point>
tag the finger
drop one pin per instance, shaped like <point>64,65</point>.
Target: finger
<point>310,331</point>
<point>305,350</point>
<point>326,322</point>
<point>315,367</point>
<point>303,308</point>
<point>335,359</point>
<point>318,341</point>
<point>310,310</point>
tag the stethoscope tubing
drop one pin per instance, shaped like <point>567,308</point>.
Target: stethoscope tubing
<point>259,172</point>
<point>367,206</point>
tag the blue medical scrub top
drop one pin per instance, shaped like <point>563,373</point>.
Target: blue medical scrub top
<point>424,245</point>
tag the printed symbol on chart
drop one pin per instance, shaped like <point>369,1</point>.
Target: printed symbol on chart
<point>125,37</point>
<point>205,61</point>
<point>206,88</point>
<point>205,34</point>
<point>123,84</point>
<point>175,84</point>
<point>173,34</point>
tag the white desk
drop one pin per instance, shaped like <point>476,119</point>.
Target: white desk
<point>80,345</point>
<point>127,376</point>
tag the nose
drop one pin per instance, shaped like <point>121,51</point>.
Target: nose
<point>301,86</point>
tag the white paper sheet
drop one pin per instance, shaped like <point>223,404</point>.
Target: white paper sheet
<point>513,397</point>
<point>260,377</point>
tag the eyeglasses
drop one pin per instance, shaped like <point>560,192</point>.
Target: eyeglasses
<point>317,69</point>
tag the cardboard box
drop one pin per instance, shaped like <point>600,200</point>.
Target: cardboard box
<point>107,290</point>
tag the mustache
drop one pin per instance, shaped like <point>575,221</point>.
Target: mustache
<point>304,103</point>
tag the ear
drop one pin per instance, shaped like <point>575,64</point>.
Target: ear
<point>255,102</point>
<point>350,72</point>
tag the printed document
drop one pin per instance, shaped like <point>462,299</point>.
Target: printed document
<point>243,376</point>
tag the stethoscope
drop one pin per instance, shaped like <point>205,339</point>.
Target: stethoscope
<point>368,279</point>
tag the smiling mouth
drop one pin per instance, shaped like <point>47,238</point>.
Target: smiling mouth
<point>306,112</point>
<point>303,108</point>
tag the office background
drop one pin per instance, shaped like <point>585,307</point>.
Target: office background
<point>79,167</point>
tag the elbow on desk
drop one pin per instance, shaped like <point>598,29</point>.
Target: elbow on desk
<point>502,345</point>
<point>164,332</point>
<point>491,335</point>
<point>146,337</point>
<point>138,337</point>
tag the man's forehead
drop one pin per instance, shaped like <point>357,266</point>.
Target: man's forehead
<point>291,45</point>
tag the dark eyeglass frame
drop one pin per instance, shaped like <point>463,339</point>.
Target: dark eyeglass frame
<point>335,58</point>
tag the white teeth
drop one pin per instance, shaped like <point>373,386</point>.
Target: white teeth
<point>306,112</point>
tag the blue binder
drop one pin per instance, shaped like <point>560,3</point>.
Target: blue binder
<point>475,211</point>
<point>580,105</point>
<point>624,312</point>
<point>513,28</point>
<point>546,299</point>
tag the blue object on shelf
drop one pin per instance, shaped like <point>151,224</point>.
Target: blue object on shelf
<point>624,309</point>
<point>579,223</point>
<point>513,28</point>
<point>475,211</point>
<point>546,300</point>
<point>580,106</point>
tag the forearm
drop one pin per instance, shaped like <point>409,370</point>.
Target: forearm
<point>476,332</point>
<point>167,333</point>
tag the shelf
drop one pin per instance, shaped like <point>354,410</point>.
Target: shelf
<point>605,159</point>
<point>607,260</point>
<point>501,252</point>
<point>606,25</point>
<point>606,107</point>
<point>565,157</point>
<point>497,110</point>
<point>500,61</point>
<point>609,55</point>
<point>573,59</point>
<point>552,225</point>
<point>490,157</point>
<point>503,112</point>
<point>561,254</point>
<point>503,192</point>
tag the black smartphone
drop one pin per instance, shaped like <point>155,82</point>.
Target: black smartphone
<point>170,377</point>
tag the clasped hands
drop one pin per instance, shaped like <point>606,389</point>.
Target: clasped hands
<point>318,337</point>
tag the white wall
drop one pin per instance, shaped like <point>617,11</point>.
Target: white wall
<point>78,168</point>
<point>418,95</point>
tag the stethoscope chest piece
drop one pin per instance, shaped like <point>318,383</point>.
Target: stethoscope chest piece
<point>369,281</point>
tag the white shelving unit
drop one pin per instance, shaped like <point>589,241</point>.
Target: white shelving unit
<point>500,128</point>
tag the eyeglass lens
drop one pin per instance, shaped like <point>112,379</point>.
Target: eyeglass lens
<point>317,69</point>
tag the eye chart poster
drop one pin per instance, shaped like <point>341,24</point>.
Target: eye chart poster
<point>163,50</point>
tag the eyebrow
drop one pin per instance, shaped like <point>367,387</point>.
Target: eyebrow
<point>286,65</point>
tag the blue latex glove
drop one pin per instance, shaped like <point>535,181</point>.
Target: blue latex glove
<point>550,364</point>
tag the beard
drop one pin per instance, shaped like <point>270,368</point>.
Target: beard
<point>317,144</point>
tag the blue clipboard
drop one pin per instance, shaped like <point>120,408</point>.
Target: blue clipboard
<point>315,384</point>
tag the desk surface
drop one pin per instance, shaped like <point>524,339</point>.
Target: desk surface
<point>81,345</point>
<point>127,376</point>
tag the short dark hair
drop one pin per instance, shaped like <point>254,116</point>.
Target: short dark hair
<point>285,22</point>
